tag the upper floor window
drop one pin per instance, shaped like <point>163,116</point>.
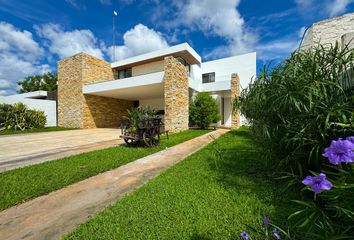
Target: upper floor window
<point>184,63</point>
<point>209,77</point>
<point>124,73</point>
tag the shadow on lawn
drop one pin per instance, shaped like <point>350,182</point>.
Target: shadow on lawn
<point>241,167</point>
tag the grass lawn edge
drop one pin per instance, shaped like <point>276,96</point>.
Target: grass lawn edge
<point>23,184</point>
<point>35,130</point>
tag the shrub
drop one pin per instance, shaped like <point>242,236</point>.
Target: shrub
<point>328,213</point>
<point>139,116</point>
<point>203,111</point>
<point>19,117</point>
<point>295,108</point>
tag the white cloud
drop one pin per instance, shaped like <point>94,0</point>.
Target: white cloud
<point>218,52</point>
<point>301,31</point>
<point>19,57</point>
<point>106,2</point>
<point>327,8</point>
<point>138,40</point>
<point>75,4</point>
<point>5,84</point>
<point>16,41</point>
<point>212,18</point>
<point>337,7</point>
<point>67,43</point>
<point>305,3</point>
<point>278,49</point>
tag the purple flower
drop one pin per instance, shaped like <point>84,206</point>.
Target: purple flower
<point>351,139</point>
<point>318,183</point>
<point>266,220</point>
<point>340,151</point>
<point>276,233</point>
<point>244,235</point>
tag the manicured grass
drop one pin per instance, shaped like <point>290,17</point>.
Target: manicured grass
<point>35,130</point>
<point>29,182</point>
<point>199,198</point>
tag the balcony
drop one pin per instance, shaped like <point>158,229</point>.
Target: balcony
<point>132,88</point>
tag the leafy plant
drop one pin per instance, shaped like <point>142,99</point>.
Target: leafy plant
<point>330,213</point>
<point>19,117</point>
<point>295,107</point>
<point>46,82</point>
<point>266,230</point>
<point>138,116</point>
<point>203,111</point>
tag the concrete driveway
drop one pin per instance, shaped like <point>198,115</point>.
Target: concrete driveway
<point>26,149</point>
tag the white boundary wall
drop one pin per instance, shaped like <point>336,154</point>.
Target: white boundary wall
<point>47,106</point>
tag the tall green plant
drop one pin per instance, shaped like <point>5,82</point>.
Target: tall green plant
<point>203,111</point>
<point>139,115</point>
<point>18,117</point>
<point>295,107</point>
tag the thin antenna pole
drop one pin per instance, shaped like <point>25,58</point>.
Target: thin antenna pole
<point>114,39</point>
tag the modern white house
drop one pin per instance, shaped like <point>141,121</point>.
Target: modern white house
<point>94,93</point>
<point>37,100</point>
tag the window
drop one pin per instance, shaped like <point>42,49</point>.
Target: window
<point>184,63</point>
<point>208,77</point>
<point>124,73</point>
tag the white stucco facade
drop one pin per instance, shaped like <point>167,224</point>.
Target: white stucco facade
<point>244,65</point>
<point>145,85</point>
<point>32,101</point>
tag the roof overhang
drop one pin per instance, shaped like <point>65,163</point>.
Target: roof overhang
<point>181,50</point>
<point>147,86</point>
<point>36,94</point>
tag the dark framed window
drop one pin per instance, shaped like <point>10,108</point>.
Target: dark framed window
<point>184,63</point>
<point>124,73</point>
<point>209,77</point>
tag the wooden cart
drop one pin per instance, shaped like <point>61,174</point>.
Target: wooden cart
<point>147,131</point>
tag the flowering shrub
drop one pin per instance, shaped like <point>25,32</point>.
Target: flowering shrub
<point>340,151</point>
<point>318,183</point>
<point>330,215</point>
<point>263,231</point>
<point>296,107</point>
<point>302,112</point>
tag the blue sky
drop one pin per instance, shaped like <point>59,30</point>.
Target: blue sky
<point>35,34</point>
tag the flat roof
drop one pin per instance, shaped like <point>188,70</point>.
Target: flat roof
<point>35,94</point>
<point>183,50</point>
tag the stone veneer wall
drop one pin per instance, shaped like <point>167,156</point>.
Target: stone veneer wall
<point>104,112</point>
<point>329,31</point>
<point>176,95</point>
<point>70,95</point>
<point>235,92</point>
<point>86,111</point>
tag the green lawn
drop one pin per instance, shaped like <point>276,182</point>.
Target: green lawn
<point>198,198</point>
<point>29,182</point>
<point>34,130</point>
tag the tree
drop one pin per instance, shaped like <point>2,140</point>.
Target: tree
<point>203,111</point>
<point>45,82</point>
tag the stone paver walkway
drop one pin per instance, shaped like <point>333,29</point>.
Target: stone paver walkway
<point>26,149</point>
<point>51,216</point>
